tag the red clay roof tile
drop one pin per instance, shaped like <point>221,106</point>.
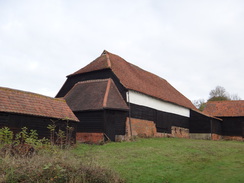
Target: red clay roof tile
<point>137,79</point>
<point>234,108</point>
<point>21,102</point>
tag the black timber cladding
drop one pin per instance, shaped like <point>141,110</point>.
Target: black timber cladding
<point>114,123</point>
<point>110,122</point>
<point>101,74</point>
<point>16,121</point>
<point>90,121</point>
<point>163,120</point>
<point>233,126</point>
<point>200,123</point>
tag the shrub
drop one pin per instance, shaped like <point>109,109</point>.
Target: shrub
<point>6,136</point>
<point>60,167</point>
<point>51,164</point>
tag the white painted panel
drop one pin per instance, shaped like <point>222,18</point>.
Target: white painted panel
<point>145,100</point>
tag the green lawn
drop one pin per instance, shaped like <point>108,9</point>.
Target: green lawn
<point>170,160</point>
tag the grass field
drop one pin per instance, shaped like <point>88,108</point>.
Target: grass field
<point>159,160</point>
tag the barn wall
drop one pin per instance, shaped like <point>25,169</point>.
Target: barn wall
<point>204,127</point>
<point>163,120</point>
<point>140,127</point>
<point>114,123</point>
<point>94,125</point>
<point>90,121</point>
<point>233,127</point>
<point>17,121</point>
<point>145,100</point>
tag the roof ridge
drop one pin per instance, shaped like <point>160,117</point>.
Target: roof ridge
<point>92,81</point>
<point>225,101</point>
<point>27,92</point>
<point>28,103</point>
<point>105,99</point>
<point>106,53</point>
<point>132,65</point>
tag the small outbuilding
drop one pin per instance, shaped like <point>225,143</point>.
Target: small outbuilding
<point>232,114</point>
<point>20,109</point>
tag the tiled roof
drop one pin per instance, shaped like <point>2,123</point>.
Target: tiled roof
<point>234,108</point>
<point>95,95</point>
<point>137,79</point>
<point>21,102</point>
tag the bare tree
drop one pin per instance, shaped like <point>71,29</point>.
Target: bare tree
<point>219,91</point>
<point>234,97</point>
<point>218,94</point>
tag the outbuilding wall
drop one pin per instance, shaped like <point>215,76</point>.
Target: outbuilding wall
<point>17,121</point>
<point>204,127</point>
<point>163,121</point>
<point>233,128</point>
<point>90,121</point>
<point>94,125</point>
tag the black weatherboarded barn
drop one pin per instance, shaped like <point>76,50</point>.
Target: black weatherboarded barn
<point>24,109</point>
<point>140,102</point>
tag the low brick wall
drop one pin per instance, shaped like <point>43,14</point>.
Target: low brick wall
<point>216,137</point>
<point>205,136</point>
<point>145,128</point>
<point>180,132</point>
<point>141,128</point>
<point>238,138</point>
<point>94,138</point>
<point>200,136</point>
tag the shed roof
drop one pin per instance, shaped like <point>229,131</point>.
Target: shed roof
<point>95,95</point>
<point>233,108</point>
<point>21,102</point>
<point>137,79</point>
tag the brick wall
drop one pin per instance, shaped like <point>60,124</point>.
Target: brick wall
<point>146,128</point>
<point>238,138</point>
<point>94,138</point>
<point>180,132</point>
<point>216,137</point>
<point>141,128</point>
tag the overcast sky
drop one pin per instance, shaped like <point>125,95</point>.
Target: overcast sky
<point>194,45</point>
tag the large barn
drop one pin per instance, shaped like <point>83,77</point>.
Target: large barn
<point>232,114</point>
<point>116,99</point>
<point>20,109</point>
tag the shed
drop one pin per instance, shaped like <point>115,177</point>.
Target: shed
<point>25,109</point>
<point>232,114</point>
